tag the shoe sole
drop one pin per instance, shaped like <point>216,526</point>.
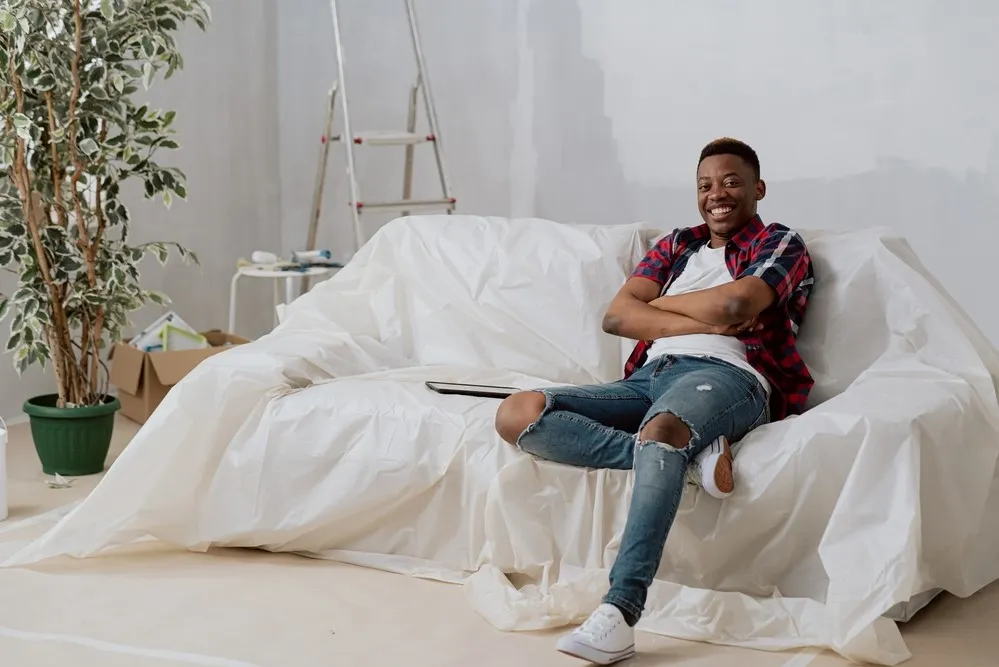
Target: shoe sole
<point>597,656</point>
<point>721,481</point>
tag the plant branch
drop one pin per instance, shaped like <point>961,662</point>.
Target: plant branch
<point>57,173</point>
<point>73,128</point>
<point>23,181</point>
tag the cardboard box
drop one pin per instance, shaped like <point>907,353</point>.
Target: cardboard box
<point>144,378</point>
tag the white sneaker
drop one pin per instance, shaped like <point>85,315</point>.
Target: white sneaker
<point>712,469</point>
<point>604,638</point>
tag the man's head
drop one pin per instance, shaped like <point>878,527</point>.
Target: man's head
<point>728,187</point>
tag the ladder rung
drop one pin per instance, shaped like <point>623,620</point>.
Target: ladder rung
<point>409,205</point>
<point>390,138</point>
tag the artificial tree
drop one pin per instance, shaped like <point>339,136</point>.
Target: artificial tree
<point>73,133</point>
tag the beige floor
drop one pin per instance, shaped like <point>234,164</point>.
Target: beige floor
<point>238,608</point>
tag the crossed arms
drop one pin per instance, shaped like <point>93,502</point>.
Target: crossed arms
<point>638,312</point>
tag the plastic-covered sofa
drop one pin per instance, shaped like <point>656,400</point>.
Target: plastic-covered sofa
<point>321,438</point>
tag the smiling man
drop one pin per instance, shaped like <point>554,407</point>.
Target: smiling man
<point>716,310</point>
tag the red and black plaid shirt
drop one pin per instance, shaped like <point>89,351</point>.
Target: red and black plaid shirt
<point>775,254</point>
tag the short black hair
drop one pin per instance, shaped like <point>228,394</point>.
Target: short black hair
<point>729,146</point>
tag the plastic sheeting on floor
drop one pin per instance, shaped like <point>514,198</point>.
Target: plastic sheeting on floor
<point>321,438</point>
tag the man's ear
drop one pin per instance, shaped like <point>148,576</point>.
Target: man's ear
<point>761,189</point>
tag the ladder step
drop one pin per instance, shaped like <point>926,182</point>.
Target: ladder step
<point>390,138</point>
<point>408,205</point>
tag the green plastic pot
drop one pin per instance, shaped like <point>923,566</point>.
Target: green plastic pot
<point>71,441</point>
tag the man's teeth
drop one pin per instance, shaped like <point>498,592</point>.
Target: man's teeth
<point>721,211</point>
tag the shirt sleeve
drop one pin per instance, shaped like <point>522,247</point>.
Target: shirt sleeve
<point>656,264</point>
<point>781,260</point>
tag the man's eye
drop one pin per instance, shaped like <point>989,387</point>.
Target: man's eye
<point>731,184</point>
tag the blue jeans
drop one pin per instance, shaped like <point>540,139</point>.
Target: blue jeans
<point>596,426</point>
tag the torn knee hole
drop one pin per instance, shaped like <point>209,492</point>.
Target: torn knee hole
<point>667,429</point>
<point>519,413</point>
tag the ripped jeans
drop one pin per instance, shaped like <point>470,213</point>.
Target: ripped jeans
<point>595,427</point>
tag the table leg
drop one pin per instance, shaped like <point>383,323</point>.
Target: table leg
<point>277,301</point>
<point>233,294</point>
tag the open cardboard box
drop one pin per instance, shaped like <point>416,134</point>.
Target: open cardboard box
<point>144,378</point>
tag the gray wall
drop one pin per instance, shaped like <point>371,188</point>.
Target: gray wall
<point>594,111</point>
<point>590,111</point>
<point>227,122</point>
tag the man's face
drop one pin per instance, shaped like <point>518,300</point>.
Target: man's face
<point>727,192</point>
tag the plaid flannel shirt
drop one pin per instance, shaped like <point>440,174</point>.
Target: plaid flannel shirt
<point>775,254</point>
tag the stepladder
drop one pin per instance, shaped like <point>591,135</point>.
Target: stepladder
<point>408,138</point>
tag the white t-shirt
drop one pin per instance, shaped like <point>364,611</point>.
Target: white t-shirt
<point>705,268</point>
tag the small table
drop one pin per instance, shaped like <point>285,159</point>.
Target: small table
<point>277,276</point>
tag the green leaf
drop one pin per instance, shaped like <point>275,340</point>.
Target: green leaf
<point>181,190</point>
<point>45,82</point>
<point>147,75</point>
<point>13,342</point>
<point>107,9</point>
<point>117,81</point>
<point>70,264</point>
<point>162,254</point>
<point>5,307</point>
<point>167,199</point>
<point>169,143</point>
<point>159,298</point>
<point>21,121</point>
<point>148,48</point>
<point>7,22</point>
<point>89,147</point>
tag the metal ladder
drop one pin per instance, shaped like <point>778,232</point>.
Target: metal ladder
<point>376,138</point>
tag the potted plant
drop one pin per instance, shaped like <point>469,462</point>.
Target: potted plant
<point>72,134</point>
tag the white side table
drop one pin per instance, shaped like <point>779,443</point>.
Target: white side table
<point>277,276</point>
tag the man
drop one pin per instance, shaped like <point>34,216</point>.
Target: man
<point>716,310</point>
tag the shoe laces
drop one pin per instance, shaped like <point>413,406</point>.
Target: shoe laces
<point>599,624</point>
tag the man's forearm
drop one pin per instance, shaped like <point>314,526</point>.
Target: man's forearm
<point>642,321</point>
<point>719,306</point>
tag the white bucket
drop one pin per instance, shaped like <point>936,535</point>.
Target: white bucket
<point>3,470</point>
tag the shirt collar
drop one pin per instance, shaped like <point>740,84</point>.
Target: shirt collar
<point>746,235</point>
<point>741,240</point>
